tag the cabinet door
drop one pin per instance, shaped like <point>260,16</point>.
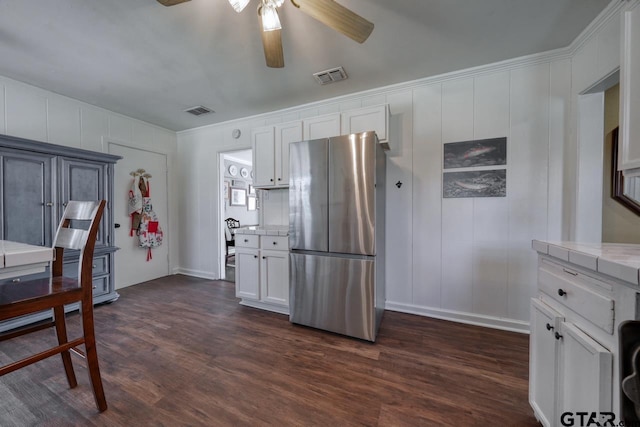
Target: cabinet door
<point>27,204</point>
<point>85,180</point>
<point>274,277</point>
<point>247,274</point>
<point>321,127</point>
<point>366,119</point>
<point>630,89</point>
<point>543,351</point>
<point>586,373</point>
<point>263,144</point>
<point>285,135</point>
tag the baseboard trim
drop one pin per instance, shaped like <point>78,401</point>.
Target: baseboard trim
<point>265,306</point>
<point>195,273</point>
<point>461,317</point>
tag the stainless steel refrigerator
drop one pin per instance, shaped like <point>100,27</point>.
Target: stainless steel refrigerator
<point>336,234</point>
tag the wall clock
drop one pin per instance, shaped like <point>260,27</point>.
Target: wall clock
<point>233,170</point>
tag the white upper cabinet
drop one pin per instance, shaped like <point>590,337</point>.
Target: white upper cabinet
<point>286,133</point>
<point>367,119</point>
<point>630,89</point>
<point>263,144</point>
<point>321,127</point>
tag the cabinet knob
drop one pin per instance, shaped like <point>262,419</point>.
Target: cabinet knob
<point>275,243</point>
<point>16,280</point>
<point>549,327</point>
<point>65,204</point>
<point>264,257</point>
<point>49,204</point>
<point>271,179</point>
<point>116,225</point>
<point>561,292</point>
<point>255,256</point>
<point>558,336</point>
<point>246,240</point>
<point>279,179</point>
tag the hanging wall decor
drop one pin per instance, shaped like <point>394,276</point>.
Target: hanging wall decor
<point>144,220</point>
<point>470,168</point>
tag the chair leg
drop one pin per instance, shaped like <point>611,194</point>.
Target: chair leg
<point>92,356</point>
<point>61,332</point>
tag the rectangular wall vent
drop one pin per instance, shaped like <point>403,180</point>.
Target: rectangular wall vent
<point>330,76</point>
<point>199,110</point>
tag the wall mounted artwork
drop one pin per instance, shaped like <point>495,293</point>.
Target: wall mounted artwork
<point>485,183</point>
<point>472,171</point>
<point>480,152</point>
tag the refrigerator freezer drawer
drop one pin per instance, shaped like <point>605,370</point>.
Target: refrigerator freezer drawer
<point>333,293</point>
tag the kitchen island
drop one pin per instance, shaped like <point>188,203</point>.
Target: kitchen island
<point>584,292</point>
<point>262,267</point>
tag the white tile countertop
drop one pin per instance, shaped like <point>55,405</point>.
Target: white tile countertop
<point>265,230</point>
<point>618,260</point>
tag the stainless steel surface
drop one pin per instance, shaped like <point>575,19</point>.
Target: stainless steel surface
<point>352,175</point>
<point>336,232</point>
<point>308,195</point>
<point>333,293</point>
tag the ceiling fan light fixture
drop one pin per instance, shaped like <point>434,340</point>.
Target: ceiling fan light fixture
<point>239,5</point>
<point>270,19</point>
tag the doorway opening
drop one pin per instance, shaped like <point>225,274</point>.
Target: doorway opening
<point>238,205</point>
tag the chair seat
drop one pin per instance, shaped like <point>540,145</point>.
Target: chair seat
<point>46,293</point>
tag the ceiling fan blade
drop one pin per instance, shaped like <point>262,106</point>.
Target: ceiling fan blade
<point>272,43</point>
<point>171,2</point>
<point>337,17</point>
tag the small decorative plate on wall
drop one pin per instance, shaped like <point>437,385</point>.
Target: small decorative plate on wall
<point>233,170</point>
<point>244,173</point>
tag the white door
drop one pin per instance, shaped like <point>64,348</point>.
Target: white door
<point>131,262</point>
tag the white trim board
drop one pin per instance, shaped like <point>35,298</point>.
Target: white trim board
<point>460,317</point>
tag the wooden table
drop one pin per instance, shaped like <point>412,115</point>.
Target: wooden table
<point>19,259</point>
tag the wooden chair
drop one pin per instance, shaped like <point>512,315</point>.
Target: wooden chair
<point>18,299</point>
<point>229,236</point>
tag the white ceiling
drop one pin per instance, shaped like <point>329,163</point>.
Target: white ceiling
<point>151,62</point>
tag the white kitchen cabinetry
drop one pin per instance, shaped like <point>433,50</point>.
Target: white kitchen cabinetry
<point>321,127</point>
<point>271,153</point>
<point>264,157</point>
<point>262,272</point>
<point>583,296</point>
<point>629,153</point>
<point>285,134</point>
<point>247,267</point>
<point>374,118</point>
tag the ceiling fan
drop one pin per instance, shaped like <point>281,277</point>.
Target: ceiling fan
<point>328,12</point>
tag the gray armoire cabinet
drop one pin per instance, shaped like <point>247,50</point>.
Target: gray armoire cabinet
<point>37,181</point>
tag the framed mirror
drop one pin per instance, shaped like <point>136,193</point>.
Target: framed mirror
<point>626,190</point>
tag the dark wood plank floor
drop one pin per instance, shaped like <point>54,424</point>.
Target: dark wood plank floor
<point>181,351</point>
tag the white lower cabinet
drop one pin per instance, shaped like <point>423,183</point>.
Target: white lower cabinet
<point>569,372</point>
<point>262,272</point>
<point>274,277</point>
<point>247,273</point>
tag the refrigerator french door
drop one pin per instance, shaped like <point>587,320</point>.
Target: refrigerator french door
<point>336,234</point>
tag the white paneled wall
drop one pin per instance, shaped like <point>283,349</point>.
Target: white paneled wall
<point>467,259</point>
<point>33,113</point>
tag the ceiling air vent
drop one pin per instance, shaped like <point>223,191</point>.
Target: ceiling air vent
<point>330,76</point>
<point>199,110</point>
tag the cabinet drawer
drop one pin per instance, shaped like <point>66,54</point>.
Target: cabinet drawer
<point>274,243</point>
<point>247,240</point>
<point>100,285</point>
<point>24,277</point>
<point>578,293</point>
<point>100,266</point>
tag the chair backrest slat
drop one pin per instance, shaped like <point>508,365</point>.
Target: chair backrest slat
<point>82,211</point>
<point>71,238</point>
